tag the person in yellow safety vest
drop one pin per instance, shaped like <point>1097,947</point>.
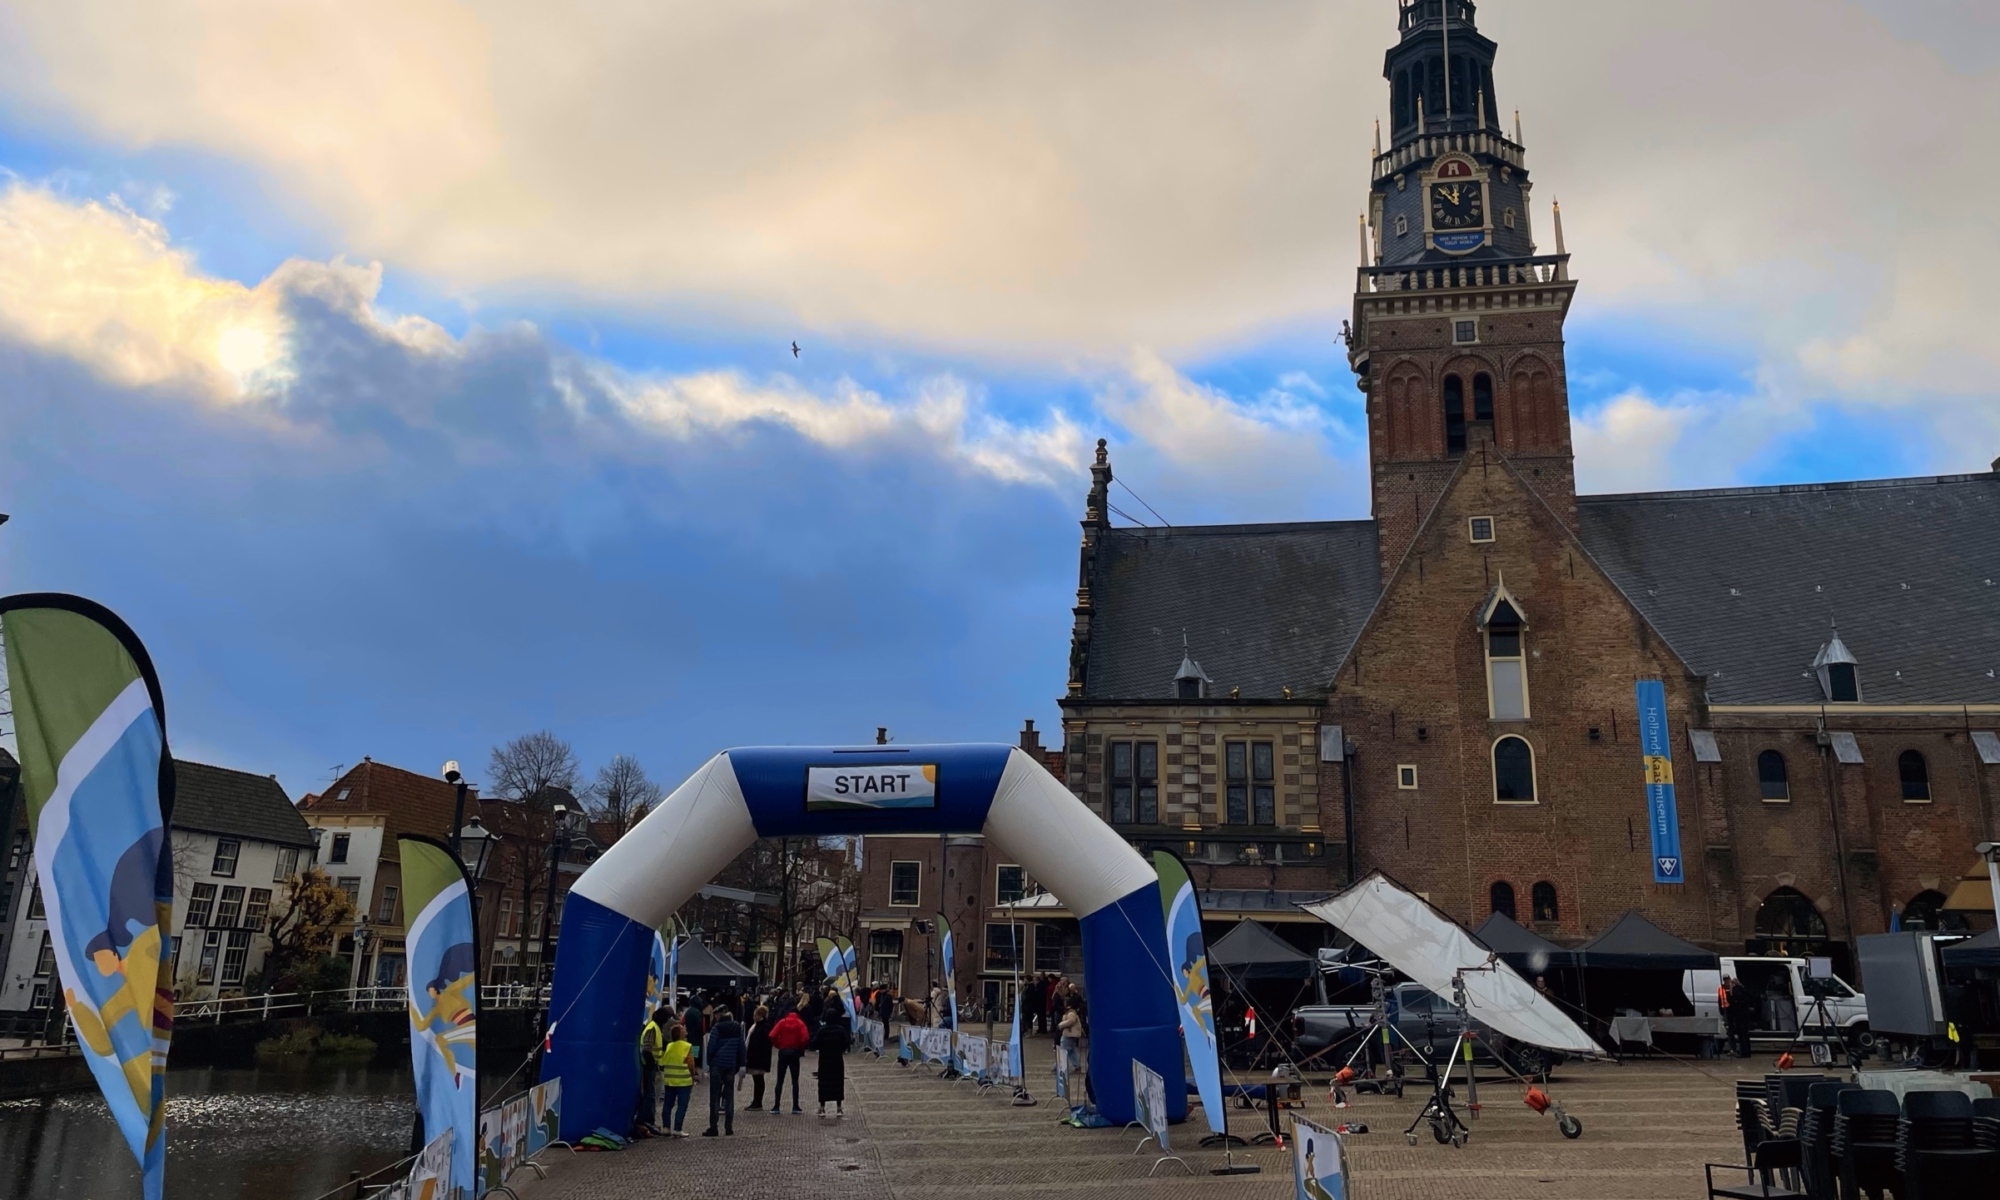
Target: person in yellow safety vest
<point>651,1043</point>
<point>677,1069</point>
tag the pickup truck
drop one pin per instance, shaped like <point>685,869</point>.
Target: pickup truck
<point>1420,1016</point>
<point>1781,997</point>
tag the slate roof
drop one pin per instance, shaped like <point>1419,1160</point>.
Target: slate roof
<point>1744,582</point>
<point>1264,607</point>
<point>235,803</point>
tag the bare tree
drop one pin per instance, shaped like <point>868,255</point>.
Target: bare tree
<point>623,795</point>
<point>532,766</point>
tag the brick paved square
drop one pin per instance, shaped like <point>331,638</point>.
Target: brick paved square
<point>1648,1127</point>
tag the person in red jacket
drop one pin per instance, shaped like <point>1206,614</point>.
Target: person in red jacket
<point>789,1036</point>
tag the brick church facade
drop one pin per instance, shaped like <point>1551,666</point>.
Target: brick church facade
<point>1446,691</point>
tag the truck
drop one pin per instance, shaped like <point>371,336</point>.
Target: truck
<point>1422,1018</point>
<point>1783,997</point>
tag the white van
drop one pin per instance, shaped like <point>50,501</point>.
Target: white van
<point>1781,1000</point>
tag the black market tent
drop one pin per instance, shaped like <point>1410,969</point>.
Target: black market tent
<point>1981,951</point>
<point>1634,943</point>
<point>710,967</point>
<point>1250,953</point>
<point>1522,949</point>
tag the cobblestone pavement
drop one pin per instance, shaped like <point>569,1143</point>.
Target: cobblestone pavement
<point>908,1135</point>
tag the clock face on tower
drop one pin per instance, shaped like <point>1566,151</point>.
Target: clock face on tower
<point>1457,205</point>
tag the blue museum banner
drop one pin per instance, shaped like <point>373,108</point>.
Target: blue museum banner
<point>1662,817</point>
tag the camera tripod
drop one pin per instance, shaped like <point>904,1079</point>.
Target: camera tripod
<point>1817,1009</point>
<point>1447,1127</point>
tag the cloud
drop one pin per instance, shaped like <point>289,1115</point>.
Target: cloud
<point>102,285</point>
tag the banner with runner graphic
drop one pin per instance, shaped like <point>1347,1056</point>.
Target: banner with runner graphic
<point>1188,965</point>
<point>1319,1162</point>
<point>1662,817</point>
<point>90,726</point>
<point>443,995</point>
<point>852,973</point>
<point>834,961</point>
<point>950,974</point>
<point>656,979</point>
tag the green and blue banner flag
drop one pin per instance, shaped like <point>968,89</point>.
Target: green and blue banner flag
<point>852,966</point>
<point>91,728</point>
<point>443,995</point>
<point>673,960</point>
<point>1662,817</point>
<point>1188,966</point>
<point>950,975</point>
<point>656,977</point>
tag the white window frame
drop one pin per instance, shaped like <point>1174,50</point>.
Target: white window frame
<point>999,867</point>
<point>288,864</point>
<point>235,848</point>
<point>1458,325</point>
<point>1472,530</point>
<point>1406,777</point>
<point>919,901</point>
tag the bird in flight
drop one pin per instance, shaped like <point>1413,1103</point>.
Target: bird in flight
<point>795,349</point>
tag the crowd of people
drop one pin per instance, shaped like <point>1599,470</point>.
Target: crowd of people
<point>729,1038</point>
<point>708,1039</point>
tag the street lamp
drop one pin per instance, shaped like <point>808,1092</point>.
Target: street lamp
<point>453,777</point>
<point>362,934</point>
<point>476,843</point>
<point>559,840</point>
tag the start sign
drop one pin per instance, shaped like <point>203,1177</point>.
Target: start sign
<point>897,785</point>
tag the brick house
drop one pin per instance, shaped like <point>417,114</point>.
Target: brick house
<point>358,820</point>
<point>1458,671</point>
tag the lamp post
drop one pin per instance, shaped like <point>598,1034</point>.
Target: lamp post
<point>362,935</point>
<point>453,777</point>
<point>475,844</point>
<point>559,840</point>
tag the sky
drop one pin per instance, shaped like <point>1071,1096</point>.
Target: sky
<point>412,375</point>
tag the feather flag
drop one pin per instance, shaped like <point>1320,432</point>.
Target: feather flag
<point>950,975</point>
<point>443,995</point>
<point>673,961</point>
<point>1188,964</point>
<point>656,977</point>
<point>99,783</point>
<point>850,969</point>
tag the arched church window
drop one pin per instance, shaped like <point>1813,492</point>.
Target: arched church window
<point>1771,782</point>
<point>1915,774</point>
<point>1789,923</point>
<point>1513,771</point>
<point>1482,397</point>
<point>1924,911</point>
<point>1544,896</point>
<point>1400,99</point>
<point>1454,415</point>
<point>1434,94</point>
<point>1501,895</point>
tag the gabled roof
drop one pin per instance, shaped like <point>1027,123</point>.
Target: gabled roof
<point>1264,607</point>
<point>1745,583</point>
<point>407,801</point>
<point>235,804</point>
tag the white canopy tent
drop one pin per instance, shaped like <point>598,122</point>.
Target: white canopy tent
<point>1432,949</point>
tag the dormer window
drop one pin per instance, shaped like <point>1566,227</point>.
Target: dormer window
<point>1838,670</point>
<point>1506,661</point>
<point>1190,682</point>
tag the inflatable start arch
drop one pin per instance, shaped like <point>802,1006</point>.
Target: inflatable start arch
<point>797,791</point>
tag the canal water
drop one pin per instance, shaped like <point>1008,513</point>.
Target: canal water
<point>259,1133</point>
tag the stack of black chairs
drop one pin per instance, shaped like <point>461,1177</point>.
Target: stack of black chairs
<point>1771,1147</point>
<point>1938,1149</point>
<point>1866,1126</point>
<point>1817,1164</point>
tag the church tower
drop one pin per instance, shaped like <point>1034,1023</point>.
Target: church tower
<point>1457,331</point>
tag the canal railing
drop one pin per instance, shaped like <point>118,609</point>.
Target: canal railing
<point>369,999</point>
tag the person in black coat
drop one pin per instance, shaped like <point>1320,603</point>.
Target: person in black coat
<point>757,1059</point>
<point>832,1041</point>
<point>725,1057</point>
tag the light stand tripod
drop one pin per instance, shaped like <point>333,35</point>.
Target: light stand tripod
<point>1822,1049</point>
<point>1447,1127</point>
